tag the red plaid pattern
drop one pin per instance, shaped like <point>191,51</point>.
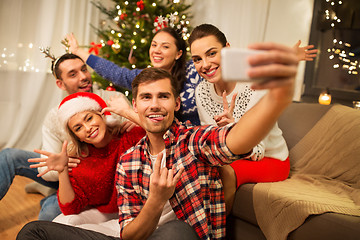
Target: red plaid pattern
<point>198,198</point>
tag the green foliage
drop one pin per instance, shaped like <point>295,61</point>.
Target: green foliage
<point>127,32</point>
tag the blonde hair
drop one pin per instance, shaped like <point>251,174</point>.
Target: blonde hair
<point>77,148</point>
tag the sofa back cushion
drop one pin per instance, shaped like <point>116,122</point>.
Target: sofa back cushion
<point>298,119</point>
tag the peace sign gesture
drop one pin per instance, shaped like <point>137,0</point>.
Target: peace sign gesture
<point>163,181</point>
<point>227,116</point>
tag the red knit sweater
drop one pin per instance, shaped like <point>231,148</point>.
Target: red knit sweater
<point>93,180</point>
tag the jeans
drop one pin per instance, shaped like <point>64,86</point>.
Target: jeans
<point>49,208</point>
<point>15,162</point>
<point>174,230</point>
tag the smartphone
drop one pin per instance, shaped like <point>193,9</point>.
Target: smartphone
<point>234,64</point>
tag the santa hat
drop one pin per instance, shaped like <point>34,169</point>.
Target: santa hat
<point>79,102</point>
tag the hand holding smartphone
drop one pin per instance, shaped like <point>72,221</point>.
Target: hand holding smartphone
<point>234,64</point>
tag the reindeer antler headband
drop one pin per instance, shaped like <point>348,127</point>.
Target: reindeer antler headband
<point>47,53</point>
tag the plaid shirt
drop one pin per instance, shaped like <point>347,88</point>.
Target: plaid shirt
<point>198,198</point>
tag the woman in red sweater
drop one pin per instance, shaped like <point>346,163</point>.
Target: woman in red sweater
<point>87,193</point>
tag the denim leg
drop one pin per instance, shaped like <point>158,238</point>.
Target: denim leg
<point>49,208</point>
<point>15,162</point>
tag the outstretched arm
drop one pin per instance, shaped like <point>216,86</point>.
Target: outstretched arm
<point>120,76</point>
<point>59,163</point>
<point>278,65</point>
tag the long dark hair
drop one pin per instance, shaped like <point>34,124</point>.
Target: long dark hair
<point>178,71</point>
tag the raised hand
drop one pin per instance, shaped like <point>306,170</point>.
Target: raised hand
<point>306,53</point>
<point>119,105</point>
<point>74,47</point>
<point>55,161</point>
<point>163,181</point>
<point>277,65</point>
<point>72,42</point>
<point>226,117</point>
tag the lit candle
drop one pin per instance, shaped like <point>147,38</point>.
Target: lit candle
<point>356,104</point>
<point>325,98</point>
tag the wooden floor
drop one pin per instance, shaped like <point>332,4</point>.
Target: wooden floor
<point>17,208</point>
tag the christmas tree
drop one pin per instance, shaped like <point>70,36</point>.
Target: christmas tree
<point>125,36</point>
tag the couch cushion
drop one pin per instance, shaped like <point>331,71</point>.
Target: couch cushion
<point>328,226</point>
<point>303,116</point>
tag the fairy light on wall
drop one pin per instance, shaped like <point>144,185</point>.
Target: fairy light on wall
<point>8,61</point>
<point>341,50</point>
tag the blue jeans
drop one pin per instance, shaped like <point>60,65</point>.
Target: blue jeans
<point>49,208</point>
<point>15,162</point>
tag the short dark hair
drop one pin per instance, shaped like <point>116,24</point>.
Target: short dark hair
<point>205,30</point>
<point>55,68</point>
<point>153,74</point>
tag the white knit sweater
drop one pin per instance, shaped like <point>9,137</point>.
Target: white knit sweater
<point>210,104</point>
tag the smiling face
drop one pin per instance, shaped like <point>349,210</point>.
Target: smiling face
<point>206,54</point>
<point>163,51</point>
<point>155,104</point>
<point>89,127</point>
<point>75,76</point>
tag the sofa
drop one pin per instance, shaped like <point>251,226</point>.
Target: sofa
<point>296,121</point>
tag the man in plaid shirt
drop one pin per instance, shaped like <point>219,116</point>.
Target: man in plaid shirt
<point>171,173</point>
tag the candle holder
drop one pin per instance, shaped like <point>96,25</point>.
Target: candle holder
<point>356,104</point>
<point>325,97</point>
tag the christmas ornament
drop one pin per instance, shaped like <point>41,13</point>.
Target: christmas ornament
<point>123,16</point>
<point>140,5</point>
<point>110,87</point>
<point>116,47</point>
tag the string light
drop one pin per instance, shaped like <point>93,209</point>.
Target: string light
<point>341,50</point>
<point>9,61</point>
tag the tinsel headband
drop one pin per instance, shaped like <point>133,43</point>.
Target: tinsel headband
<point>172,20</point>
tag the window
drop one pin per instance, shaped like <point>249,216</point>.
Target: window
<point>337,66</point>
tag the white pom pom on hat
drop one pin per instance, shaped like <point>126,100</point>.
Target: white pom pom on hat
<point>79,102</point>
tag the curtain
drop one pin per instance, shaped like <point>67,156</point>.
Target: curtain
<point>27,88</point>
<point>242,21</point>
<point>248,21</point>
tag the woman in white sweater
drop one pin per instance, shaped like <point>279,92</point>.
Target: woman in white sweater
<point>269,161</point>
